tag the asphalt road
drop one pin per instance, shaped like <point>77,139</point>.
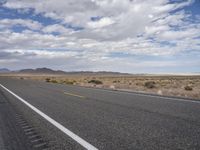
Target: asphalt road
<point>12,136</point>
<point>106,119</point>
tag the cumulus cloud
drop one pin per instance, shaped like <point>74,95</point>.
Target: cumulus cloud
<point>7,23</point>
<point>103,22</point>
<point>56,28</point>
<point>128,27</point>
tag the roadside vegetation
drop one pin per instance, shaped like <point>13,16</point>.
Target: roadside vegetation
<point>95,82</point>
<point>55,80</point>
<point>183,86</point>
<point>149,84</point>
<point>188,88</point>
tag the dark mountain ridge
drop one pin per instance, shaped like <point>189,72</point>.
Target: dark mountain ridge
<point>4,70</point>
<point>60,72</point>
<point>41,71</point>
<point>50,71</point>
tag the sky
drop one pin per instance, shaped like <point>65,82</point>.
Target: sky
<point>133,36</point>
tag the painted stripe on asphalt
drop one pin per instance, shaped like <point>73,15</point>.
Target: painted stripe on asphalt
<point>76,95</point>
<point>170,98</point>
<point>75,137</point>
<point>142,94</point>
<point>155,96</point>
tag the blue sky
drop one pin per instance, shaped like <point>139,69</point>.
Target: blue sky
<point>161,36</point>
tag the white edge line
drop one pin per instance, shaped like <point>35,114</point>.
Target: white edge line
<point>169,98</point>
<point>75,137</point>
<point>158,96</point>
<point>145,95</point>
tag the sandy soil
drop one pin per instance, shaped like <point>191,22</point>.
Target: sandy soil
<point>170,85</point>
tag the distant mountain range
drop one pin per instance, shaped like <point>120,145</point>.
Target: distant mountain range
<point>4,70</point>
<point>41,71</point>
<point>60,72</point>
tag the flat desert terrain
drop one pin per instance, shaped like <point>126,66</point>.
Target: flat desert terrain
<point>168,85</point>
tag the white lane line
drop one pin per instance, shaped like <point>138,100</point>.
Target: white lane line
<point>169,98</point>
<point>157,96</point>
<point>75,137</point>
<point>145,94</point>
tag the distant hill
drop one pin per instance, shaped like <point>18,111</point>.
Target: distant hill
<point>96,73</point>
<point>4,70</point>
<point>41,71</point>
<point>59,72</point>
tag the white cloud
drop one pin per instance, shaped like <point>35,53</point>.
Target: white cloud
<point>33,25</point>
<point>169,7</point>
<point>129,27</point>
<point>178,35</point>
<point>101,23</point>
<point>155,29</point>
<point>57,28</point>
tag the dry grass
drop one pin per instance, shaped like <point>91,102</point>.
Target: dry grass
<point>184,86</point>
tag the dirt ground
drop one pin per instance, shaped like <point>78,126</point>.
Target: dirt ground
<point>169,85</point>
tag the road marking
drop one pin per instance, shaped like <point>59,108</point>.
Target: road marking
<point>71,94</point>
<point>169,98</point>
<point>27,130</point>
<point>142,94</point>
<point>37,140</point>
<point>75,137</point>
<point>40,145</point>
<point>34,136</point>
<point>156,96</point>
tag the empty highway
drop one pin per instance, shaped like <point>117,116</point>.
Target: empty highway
<point>73,117</point>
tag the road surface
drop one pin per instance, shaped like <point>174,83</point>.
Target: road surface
<point>73,117</point>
